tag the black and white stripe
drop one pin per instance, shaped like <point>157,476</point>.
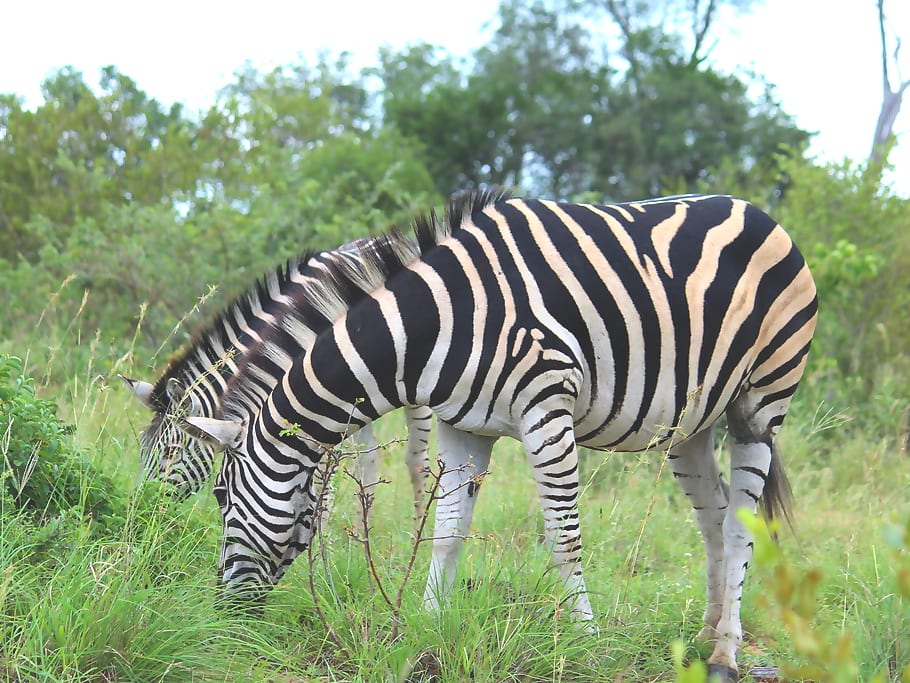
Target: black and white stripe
<point>255,338</point>
<point>629,327</point>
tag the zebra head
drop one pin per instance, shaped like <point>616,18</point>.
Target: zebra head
<point>265,527</point>
<point>167,452</point>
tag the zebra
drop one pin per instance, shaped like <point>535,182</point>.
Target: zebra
<point>258,334</point>
<point>626,326</point>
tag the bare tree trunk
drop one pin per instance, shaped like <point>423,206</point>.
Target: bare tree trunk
<point>891,99</point>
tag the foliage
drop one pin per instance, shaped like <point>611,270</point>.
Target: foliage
<point>131,605</point>
<point>80,150</point>
<point>100,187</point>
<point>41,472</point>
<point>830,654</point>
<point>561,111</point>
<point>286,161</point>
<point>853,233</point>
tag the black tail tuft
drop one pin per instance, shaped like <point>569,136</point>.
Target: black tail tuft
<point>777,496</point>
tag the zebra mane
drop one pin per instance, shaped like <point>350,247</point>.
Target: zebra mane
<point>345,279</point>
<point>209,346</point>
<point>350,280</point>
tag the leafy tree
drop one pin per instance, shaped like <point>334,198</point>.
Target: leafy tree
<point>286,161</point>
<point>516,117</point>
<point>264,118</point>
<point>274,133</point>
<point>548,106</point>
<point>678,123</point>
<point>78,151</point>
<point>556,85</point>
<point>429,100</point>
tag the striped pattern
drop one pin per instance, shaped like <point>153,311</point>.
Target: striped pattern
<point>630,327</point>
<point>247,348</point>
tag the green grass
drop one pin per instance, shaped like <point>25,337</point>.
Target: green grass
<point>138,604</point>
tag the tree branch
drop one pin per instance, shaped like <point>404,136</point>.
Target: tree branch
<point>623,18</point>
<point>897,67</point>
<point>886,82</point>
<point>891,99</point>
<point>700,32</point>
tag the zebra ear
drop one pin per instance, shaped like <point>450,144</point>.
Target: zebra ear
<point>219,433</point>
<point>179,394</point>
<point>142,390</point>
<point>175,390</point>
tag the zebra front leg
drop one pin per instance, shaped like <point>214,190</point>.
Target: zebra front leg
<point>749,465</point>
<point>417,457</point>
<point>465,458</point>
<point>695,470</point>
<point>549,438</point>
<point>366,475</point>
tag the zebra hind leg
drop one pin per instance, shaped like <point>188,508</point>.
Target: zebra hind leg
<point>756,474</point>
<point>695,469</point>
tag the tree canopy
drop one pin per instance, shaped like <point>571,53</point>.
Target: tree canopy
<point>557,110</point>
<point>138,207</point>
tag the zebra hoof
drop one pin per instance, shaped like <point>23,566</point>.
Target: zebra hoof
<point>718,673</point>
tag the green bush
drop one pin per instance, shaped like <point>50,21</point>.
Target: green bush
<point>41,471</point>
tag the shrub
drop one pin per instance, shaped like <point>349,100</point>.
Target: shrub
<point>41,471</point>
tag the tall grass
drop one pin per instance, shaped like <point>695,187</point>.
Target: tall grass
<point>138,602</point>
<point>135,606</point>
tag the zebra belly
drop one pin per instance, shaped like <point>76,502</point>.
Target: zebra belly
<point>625,431</point>
<point>637,427</point>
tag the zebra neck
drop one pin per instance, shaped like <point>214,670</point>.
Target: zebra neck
<point>347,379</point>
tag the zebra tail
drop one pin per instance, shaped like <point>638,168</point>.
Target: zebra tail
<point>777,496</point>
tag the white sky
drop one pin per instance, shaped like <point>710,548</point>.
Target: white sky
<point>823,56</point>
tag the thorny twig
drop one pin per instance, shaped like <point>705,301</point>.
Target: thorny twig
<point>433,496</point>
<point>333,459</point>
<point>365,500</point>
<point>323,477</point>
<point>311,574</point>
<point>365,497</point>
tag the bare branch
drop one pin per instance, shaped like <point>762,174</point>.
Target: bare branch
<point>622,15</point>
<point>897,67</point>
<point>700,28</point>
<point>365,496</point>
<point>366,499</point>
<point>311,560</point>
<point>886,82</point>
<point>891,99</point>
